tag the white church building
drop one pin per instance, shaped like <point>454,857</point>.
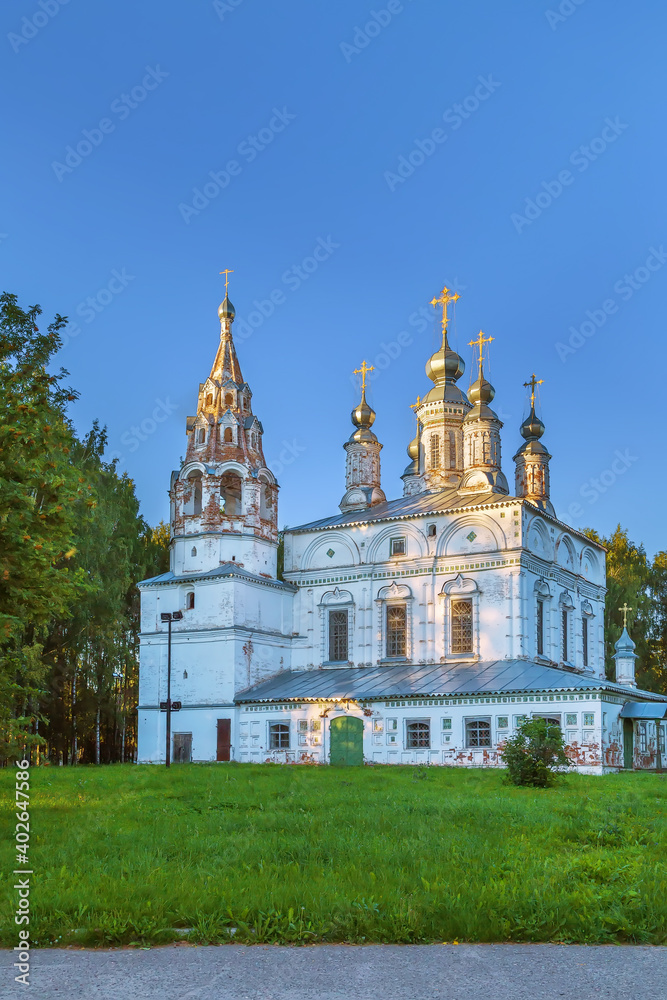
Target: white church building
<point>408,631</point>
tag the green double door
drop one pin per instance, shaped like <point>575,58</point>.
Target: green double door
<point>346,740</point>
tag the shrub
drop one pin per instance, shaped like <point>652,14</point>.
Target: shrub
<point>535,753</point>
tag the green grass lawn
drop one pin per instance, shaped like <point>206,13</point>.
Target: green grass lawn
<point>296,854</point>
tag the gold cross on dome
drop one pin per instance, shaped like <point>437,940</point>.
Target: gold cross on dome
<point>363,372</point>
<point>481,340</point>
<point>227,271</point>
<point>625,610</point>
<point>446,296</point>
<point>533,383</point>
<point>415,406</point>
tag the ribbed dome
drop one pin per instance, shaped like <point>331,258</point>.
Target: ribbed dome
<point>226,309</point>
<point>445,364</point>
<point>481,391</point>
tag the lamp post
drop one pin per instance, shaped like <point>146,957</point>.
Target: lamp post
<point>169,616</point>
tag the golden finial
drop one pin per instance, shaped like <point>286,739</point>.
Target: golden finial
<point>415,406</point>
<point>446,296</point>
<point>481,340</point>
<point>363,371</point>
<point>533,383</point>
<point>227,271</point>
<point>625,610</point>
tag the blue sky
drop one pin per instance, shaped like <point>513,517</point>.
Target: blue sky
<point>513,151</point>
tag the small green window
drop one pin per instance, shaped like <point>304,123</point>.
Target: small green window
<point>446,723</point>
<point>589,719</point>
<point>571,719</point>
<point>503,722</point>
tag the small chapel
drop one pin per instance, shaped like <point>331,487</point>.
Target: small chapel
<point>415,630</point>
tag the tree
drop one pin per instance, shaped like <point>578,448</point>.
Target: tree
<point>40,490</point>
<point>632,580</point>
<point>535,753</point>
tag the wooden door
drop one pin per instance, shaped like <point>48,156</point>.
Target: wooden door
<point>347,740</point>
<point>628,743</point>
<point>182,749</point>
<point>224,739</point>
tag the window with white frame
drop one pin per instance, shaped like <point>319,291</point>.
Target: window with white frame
<point>435,451</point>
<point>396,630</point>
<point>540,626</point>
<point>417,734</point>
<point>397,546</point>
<point>338,636</point>
<point>279,736</point>
<point>642,732</point>
<point>503,722</point>
<point>564,633</point>
<point>478,732</point>
<point>570,718</point>
<point>589,718</point>
<point>461,626</point>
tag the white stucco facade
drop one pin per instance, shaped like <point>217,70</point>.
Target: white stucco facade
<point>436,620</point>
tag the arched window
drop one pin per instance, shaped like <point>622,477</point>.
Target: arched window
<point>229,399</point>
<point>228,438</point>
<point>265,500</point>
<point>193,504</point>
<point>230,494</point>
<point>209,399</point>
<point>397,615</point>
<point>190,600</point>
<point>201,435</point>
<point>452,450</point>
<point>193,551</point>
<point>432,530</point>
<point>435,451</point>
<point>462,632</point>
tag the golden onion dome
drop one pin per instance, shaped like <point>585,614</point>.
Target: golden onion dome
<point>445,364</point>
<point>481,391</point>
<point>226,309</point>
<point>363,415</point>
<point>413,449</point>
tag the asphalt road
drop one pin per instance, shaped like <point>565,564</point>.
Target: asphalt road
<point>339,972</point>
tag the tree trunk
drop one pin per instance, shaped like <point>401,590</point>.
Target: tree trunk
<point>97,735</point>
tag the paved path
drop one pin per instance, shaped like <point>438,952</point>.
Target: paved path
<point>340,972</point>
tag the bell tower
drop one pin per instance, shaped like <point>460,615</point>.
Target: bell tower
<point>224,499</point>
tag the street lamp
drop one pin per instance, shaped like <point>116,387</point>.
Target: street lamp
<point>169,617</point>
